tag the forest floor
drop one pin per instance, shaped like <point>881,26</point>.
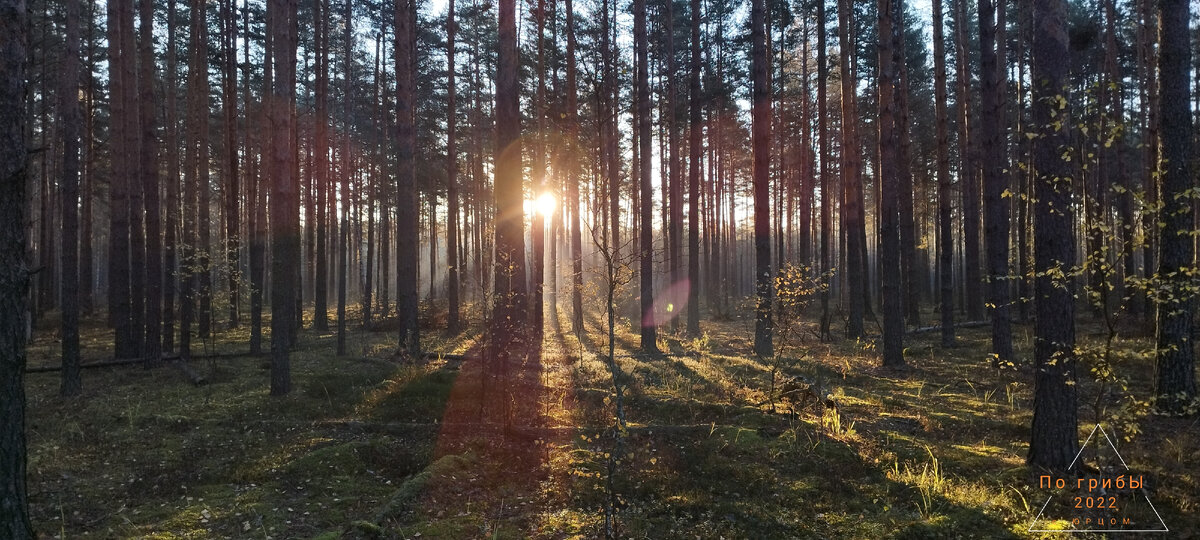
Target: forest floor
<point>369,445</point>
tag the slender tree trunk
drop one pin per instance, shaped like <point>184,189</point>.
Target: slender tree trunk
<point>1149,99</point>
<point>1175,373</point>
<point>968,170</point>
<point>68,114</point>
<point>910,293</point>
<point>171,248</point>
<point>264,176</point>
<point>86,251</point>
<point>945,243</point>
<point>121,76</point>
<point>232,180</point>
<point>995,182</point>
<point>853,225</point>
<point>407,233</point>
<point>889,179</point>
<point>452,226</point>
<point>344,243</point>
<point>152,267</point>
<point>694,129</point>
<point>572,173</point>
<point>285,200</point>
<point>1054,440</point>
<point>321,164</point>
<point>203,248</point>
<point>649,342</point>
<point>826,185</point>
<point>761,141</point>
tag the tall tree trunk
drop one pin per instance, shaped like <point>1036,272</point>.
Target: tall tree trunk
<point>572,173</point>
<point>649,334</point>
<point>694,129</point>
<point>826,184</point>
<point>509,313</point>
<point>452,226</point>
<point>910,274</point>
<point>14,276</point>
<point>171,273</point>
<point>761,141</point>
<point>1149,104</point>
<point>407,233</point>
<point>1054,440</point>
<point>854,228</point>
<point>945,245</point>
<point>203,249</point>
<point>995,181</point>
<point>121,77</point>
<point>68,114</point>
<point>232,179</point>
<point>86,251</point>
<point>321,164</point>
<point>889,179</point>
<point>264,177</point>
<point>285,194</point>
<point>1116,174</point>
<point>1175,373</point>
<point>344,243</point>
<point>968,170</point>
<point>152,268</point>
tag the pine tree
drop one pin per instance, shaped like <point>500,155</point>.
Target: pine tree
<point>1054,440</point>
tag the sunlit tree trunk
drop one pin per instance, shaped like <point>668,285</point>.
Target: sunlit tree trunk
<point>889,179</point>
<point>1175,373</point>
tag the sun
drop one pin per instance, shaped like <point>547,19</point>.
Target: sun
<point>545,204</point>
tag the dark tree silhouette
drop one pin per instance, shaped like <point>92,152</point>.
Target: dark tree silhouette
<point>1054,440</point>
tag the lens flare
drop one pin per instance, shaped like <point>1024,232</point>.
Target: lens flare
<point>545,204</point>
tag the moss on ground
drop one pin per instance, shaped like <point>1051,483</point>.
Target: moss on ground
<point>368,446</point>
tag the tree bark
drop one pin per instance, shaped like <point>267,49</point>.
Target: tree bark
<point>284,206</point>
<point>945,245</point>
<point>889,179</point>
<point>761,141</point>
<point>853,225</point>
<point>14,276</point>
<point>1175,373</point>
<point>68,113</point>
<point>407,233</point>
<point>995,182</point>
<point>152,267</point>
<point>1054,440</point>
<point>452,226</point>
<point>694,129</point>
<point>968,170</point>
